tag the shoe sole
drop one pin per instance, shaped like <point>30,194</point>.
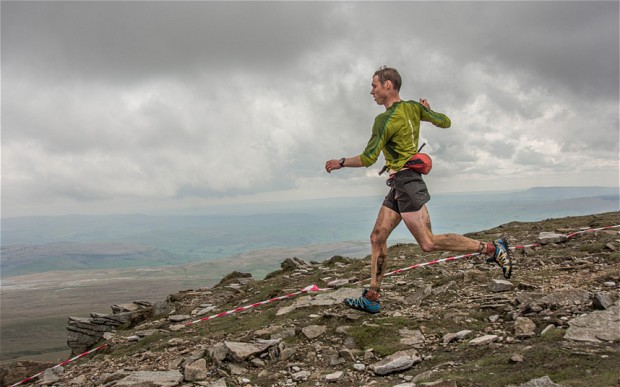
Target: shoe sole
<point>509,255</point>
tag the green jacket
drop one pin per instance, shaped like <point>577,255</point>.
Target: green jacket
<point>396,132</point>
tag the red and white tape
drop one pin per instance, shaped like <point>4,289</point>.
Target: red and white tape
<point>309,288</point>
<point>312,288</point>
<point>60,365</point>
<point>436,261</point>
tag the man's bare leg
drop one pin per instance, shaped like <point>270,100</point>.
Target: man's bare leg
<point>387,220</point>
<point>419,224</point>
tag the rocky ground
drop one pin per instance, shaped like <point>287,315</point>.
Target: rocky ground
<point>458,323</point>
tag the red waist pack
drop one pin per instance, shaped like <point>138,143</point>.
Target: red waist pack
<point>420,162</point>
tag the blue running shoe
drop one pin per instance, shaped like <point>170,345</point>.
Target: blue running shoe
<point>502,257</point>
<point>364,304</point>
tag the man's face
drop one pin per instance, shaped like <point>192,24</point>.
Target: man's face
<point>378,91</point>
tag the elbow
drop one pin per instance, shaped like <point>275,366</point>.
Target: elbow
<point>366,160</point>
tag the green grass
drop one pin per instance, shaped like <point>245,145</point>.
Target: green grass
<point>542,356</point>
<point>592,248</point>
<point>382,336</point>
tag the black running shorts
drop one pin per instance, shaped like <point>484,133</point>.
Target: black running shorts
<point>408,192</point>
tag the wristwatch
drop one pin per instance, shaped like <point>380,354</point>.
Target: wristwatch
<point>341,162</point>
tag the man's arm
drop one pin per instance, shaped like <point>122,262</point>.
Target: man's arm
<point>437,119</point>
<point>349,162</point>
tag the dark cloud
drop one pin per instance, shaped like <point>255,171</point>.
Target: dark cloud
<point>117,104</point>
<point>128,41</point>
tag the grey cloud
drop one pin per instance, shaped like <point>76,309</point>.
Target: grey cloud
<point>121,101</point>
<point>128,41</point>
<point>574,45</point>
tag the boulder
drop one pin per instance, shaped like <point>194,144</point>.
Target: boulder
<point>497,286</point>
<point>596,327</point>
<point>196,370</point>
<point>545,381</point>
<point>524,327</point>
<point>399,361</point>
<point>483,340</point>
<point>295,263</point>
<point>313,331</point>
<point>551,237</point>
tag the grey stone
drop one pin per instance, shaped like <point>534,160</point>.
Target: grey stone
<point>597,326</point>
<point>301,376</point>
<point>602,300</point>
<point>399,361</point>
<point>242,351</point>
<point>545,381</point>
<point>449,337</point>
<point>178,317</point>
<point>108,378</point>
<point>497,286</point>
<point>441,383</point>
<point>283,334</point>
<point>516,358</point>
<point>154,378</point>
<point>196,370</point>
<point>338,283</point>
<point>205,310</point>
<point>524,327</point>
<point>346,354</point>
<point>463,334</point>
<point>483,340</point>
<point>49,377</point>
<point>287,353</point>
<point>313,331</point>
<point>294,264</point>
<point>121,308</point>
<point>551,237</point>
<point>258,363</point>
<point>334,377</point>
<point>236,369</point>
<point>321,299</point>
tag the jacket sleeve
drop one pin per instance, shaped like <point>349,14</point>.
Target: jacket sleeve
<point>376,143</point>
<point>437,119</point>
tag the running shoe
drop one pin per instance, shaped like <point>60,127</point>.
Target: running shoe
<point>364,304</point>
<point>502,257</point>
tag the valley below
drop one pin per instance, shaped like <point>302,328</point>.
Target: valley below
<point>35,307</point>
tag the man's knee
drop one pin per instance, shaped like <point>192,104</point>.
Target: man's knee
<point>427,246</point>
<point>378,237</point>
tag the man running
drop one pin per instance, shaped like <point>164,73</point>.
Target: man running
<point>396,133</point>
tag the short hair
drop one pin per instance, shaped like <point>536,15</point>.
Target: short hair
<point>389,74</point>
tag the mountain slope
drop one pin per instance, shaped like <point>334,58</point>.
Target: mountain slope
<point>457,322</point>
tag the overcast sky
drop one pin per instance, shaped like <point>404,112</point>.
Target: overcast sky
<point>112,107</point>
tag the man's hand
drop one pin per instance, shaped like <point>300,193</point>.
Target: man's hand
<point>331,165</point>
<point>425,103</point>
